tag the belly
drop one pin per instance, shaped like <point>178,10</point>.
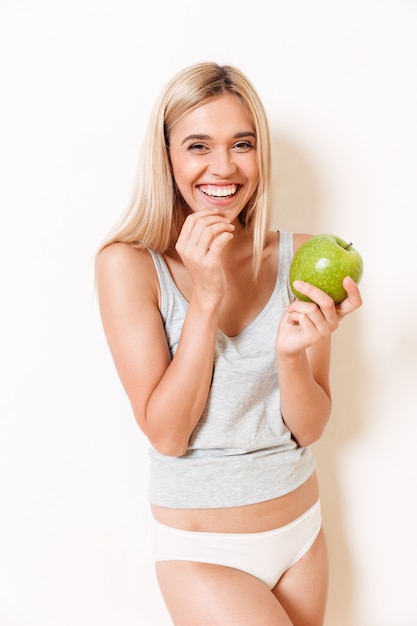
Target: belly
<point>252,518</point>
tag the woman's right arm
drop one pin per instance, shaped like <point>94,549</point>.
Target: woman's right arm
<point>167,396</point>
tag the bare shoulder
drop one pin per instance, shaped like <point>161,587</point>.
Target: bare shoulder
<point>126,280</point>
<point>121,263</point>
<point>299,239</point>
<point>122,257</point>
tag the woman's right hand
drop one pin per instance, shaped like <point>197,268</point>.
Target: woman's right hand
<point>200,246</point>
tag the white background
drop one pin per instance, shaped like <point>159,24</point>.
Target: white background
<point>78,79</point>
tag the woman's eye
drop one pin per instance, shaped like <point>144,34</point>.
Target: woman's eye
<point>197,147</point>
<point>239,146</point>
<point>244,146</point>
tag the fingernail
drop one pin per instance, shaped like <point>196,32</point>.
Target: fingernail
<point>298,283</point>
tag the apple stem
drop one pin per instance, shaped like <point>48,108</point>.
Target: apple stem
<point>348,245</point>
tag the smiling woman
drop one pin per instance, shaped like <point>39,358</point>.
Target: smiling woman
<point>227,374</point>
<point>216,168</point>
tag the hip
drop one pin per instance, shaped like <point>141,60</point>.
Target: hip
<point>258,517</point>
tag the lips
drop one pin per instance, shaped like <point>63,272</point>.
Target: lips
<point>219,191</point>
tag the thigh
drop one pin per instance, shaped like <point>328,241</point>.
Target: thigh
<point>302,590</point>
<point>215,595</point>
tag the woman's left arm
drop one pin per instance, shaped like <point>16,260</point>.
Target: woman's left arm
<point>303,355</point>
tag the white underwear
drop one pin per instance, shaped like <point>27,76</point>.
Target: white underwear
<point>265,555</point>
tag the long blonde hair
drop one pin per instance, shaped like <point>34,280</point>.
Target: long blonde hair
<point>157,211</point>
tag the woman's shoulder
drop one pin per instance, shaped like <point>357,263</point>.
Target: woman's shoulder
<point>123,257</point>
<point>299,239</point>
<point>124,265</point>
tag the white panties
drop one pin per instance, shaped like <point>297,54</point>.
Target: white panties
<point>266,555</point>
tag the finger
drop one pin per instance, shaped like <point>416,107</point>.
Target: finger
<point>200,216</point>
<point>308,331</point>
<point>206,236</point>
<point>314,293</point>
<point>196,222</point>
<point>353,300</point>
<point>319,298</point>
<point>311,313</point>
<point>218,243</point>
<point>211,234</point>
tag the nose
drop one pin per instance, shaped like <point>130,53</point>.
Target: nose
<point>222,163</point>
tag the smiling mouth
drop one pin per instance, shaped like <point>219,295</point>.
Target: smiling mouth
<point>222,191</point>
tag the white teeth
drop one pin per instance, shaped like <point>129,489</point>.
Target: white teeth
<point>219,192</point>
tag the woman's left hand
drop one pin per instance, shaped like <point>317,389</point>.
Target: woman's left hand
<point>306,323</point>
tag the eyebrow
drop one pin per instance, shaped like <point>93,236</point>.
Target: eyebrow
<point>248,133</point>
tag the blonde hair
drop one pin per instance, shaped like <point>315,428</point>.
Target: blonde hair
<point>157,211</point>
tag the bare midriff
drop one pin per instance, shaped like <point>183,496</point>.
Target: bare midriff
<point>250,518</point>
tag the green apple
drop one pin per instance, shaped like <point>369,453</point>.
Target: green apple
<point>324,261</point>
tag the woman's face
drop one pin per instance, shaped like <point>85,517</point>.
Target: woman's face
<point>213,156</point>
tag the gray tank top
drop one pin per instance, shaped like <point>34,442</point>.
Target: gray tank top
<point>240,452</point>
